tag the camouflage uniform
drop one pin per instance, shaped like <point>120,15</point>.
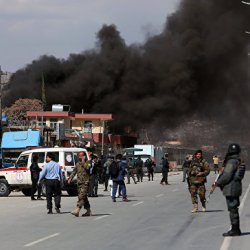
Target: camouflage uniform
<point>197,183</point>
<point>82,171</point>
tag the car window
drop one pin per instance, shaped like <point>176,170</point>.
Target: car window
<point>40,156</point>
<point>56,155</point>
<point>76,157</point>
<point>22,161</point>
<point>69,159</point>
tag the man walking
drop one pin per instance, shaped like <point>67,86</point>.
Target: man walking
<point>119,179</point>
<point>185,167</point>
<point>199,170</point>
<point>230,183</point>
<point>51,172</point>
<point>216,164</point>
<point>139,169</point>
<point>82,171</point>
<point>165,170</point>
<point>130,171</point>
<point>35,171</point>
<point>106,171</point>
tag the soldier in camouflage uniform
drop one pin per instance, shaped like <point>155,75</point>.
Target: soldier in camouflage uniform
<point>198,171</point>
<point>82,170</point>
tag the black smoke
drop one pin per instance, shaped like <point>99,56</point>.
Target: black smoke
<point>198,65</point>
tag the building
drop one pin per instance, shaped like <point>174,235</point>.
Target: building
<point>79,128</point>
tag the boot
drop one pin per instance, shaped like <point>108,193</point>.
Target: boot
<point>76,212</point>
<point>88,213</point>
<point>203,206</point>
<point>235,231</point>
<point>195,210</point>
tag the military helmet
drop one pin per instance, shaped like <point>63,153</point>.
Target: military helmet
<point>234,148</point>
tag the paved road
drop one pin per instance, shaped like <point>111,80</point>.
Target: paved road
<point>157,218</point>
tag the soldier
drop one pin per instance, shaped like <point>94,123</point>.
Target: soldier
<point>165,170</point>
<point>82,169</point>
<point>150,167</point>
<point>198,171</point>
<point>185,167</point>
<point>130,171</point>
<point>139,169</point>
<point>216,164</point>
<point>230,183</point>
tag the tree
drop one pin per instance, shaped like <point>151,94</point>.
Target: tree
<point>18,111</point>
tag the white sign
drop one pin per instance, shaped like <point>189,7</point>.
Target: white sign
<point>69,158</point>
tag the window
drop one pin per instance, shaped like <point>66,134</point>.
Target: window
<point>40,122</point>
<point>76,157</point>
<point>56,155</point>
<point>87,126</point>
<point>53,122</point>
<point>69,159</point>
<point>23,161</point>
<point>10,156</point>
<point>40,156</point>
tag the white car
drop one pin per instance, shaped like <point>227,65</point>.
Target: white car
<point>19,177</point>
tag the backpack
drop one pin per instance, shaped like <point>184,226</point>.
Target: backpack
<point>240,171</point>
<point>114,169</point>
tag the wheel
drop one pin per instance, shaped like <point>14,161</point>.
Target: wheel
<point>4,188</point>
<point>43,184</point>
<point>27,191</point>
<point>72,192</point>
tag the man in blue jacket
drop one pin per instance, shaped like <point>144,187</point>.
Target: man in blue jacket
<point>119,180</point>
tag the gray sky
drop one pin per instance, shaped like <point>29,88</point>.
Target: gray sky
<point>30,28</point>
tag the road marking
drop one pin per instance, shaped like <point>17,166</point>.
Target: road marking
<point>137,203</point>
<point>102,216</point>
<point>159,195</point>
<point>226,243</point>
<point>43,239</point>
<point>174,190</point>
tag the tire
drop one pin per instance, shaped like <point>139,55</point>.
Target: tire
<point>4,188</point>
<point>72,192</point>
<point>27,191</point>
<point>43,184</point>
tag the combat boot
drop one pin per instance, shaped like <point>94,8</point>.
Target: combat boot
<point>88,213</point>
<point>76,212</point>
<point>235,231</point>
<point>203,206</point>
<point>195,210</point>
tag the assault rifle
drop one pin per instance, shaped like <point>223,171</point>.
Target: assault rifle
<point>213,187</point>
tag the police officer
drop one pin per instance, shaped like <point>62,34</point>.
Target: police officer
<point>165,170</point>
<point>130,171</point>
<point>150,168</point>
<point>198,171</point>
<point>230,182</point>
<point>139,169</point>
<point>185,167</point>
<point>82,170</point>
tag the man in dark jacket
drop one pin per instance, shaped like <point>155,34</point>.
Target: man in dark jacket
<point>35,171</point>
<point>165,170</point>
<point>139,169</point>
<point>150,168</point>
<point>185,167</point>
<point>230,182</point>
<point>119,180</point>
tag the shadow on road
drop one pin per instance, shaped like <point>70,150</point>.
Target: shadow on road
<point>246,233</point>
<point>96,215</point>
<point>214,211</point>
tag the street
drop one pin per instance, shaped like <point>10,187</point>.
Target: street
<point>158,217</point>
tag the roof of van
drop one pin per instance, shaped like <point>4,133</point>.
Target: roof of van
<point>57,149</point>
<point>20,139</point>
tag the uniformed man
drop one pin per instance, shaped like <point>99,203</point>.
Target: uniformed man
<point>165,170</point>
<point>150,168</point>
<point>130,171</point>
<point>82,169</point>
<point>139,169</point>
<point>216,164</point>
<point>230,182</point>
<point>185,167</point>
<point>198,171</point>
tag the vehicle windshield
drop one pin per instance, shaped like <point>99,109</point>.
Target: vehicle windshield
<point>10,155</point>
<point>23,161</point>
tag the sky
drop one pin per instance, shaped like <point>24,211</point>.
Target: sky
<point>31,28</point>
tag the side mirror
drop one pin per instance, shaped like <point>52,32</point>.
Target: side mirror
<point>16,166</point>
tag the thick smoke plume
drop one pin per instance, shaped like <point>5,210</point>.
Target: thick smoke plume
<point>198,64</point>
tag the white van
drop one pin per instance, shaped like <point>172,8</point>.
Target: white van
<point>20,177</point>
